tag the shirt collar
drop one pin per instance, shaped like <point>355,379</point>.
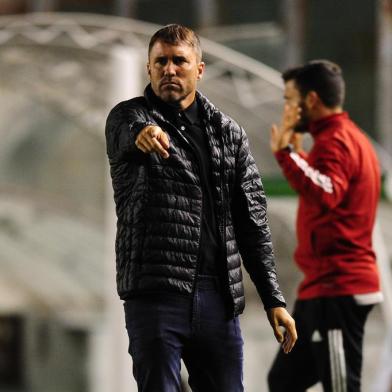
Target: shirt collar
<point>317,126</point>
<point>191,113</point>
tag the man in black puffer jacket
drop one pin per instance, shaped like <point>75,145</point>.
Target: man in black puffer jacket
<point>189,202</point>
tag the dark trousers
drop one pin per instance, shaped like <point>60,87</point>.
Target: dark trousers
<point>165,328</point>
<point>329,347</point>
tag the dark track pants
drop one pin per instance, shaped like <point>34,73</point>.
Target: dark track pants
<point>329,347</point>
<point>165,328</point>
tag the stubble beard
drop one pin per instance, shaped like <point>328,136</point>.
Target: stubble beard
<point>174,97</point>
<point>303,124</point>
<point>171,95</point>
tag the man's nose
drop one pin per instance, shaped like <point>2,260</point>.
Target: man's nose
<point>170,69</point>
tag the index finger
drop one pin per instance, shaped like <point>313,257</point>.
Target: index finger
<point>274,131</point>
<point>158,148</point>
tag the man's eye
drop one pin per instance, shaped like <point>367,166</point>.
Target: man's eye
<point>179,60</point>
<point>161,61</point>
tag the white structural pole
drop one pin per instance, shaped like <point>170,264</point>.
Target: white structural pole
<point>42,5</point>
<point>207,12</point>
<point>126,83</point>
<point>385,274</point>
<point>383,380</point>
<point>294,21</point>
<point>384,91</point>
<point>125,8</point>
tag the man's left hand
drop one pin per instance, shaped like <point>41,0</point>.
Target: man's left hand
<point>279,317</point>
<point>280,138</point>
<point>282,135</point>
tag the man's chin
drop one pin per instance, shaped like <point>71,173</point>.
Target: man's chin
<point>300,129</point>
<point>170,96</point>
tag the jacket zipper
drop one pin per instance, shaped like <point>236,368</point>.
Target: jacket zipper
<point>202,203</point>
<point>223,234</point>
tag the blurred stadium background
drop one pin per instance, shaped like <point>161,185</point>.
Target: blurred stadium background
<point>63,65</point>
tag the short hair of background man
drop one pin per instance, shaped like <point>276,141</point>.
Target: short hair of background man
<point>175,34</point>
<point>322,76</point>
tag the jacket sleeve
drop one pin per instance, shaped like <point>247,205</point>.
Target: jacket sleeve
<point>251,227</point>
<point>123,124</point>
<point>326,179</point>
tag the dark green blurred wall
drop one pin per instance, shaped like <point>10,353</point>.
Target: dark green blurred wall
<point>248,11</point>
<point>227,11</point>
<point>345,31</point>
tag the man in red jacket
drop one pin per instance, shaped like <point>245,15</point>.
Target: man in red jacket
<point>338,183</point>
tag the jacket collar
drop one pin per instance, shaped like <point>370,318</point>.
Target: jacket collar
<point>315,127</point>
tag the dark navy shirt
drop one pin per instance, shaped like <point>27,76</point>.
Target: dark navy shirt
<point>190,123</point>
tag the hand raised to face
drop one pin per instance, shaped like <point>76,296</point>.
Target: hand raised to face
<point>283,135</point>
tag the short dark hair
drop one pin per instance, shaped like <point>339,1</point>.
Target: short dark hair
<point>175,34</point>
<point>321,76</point>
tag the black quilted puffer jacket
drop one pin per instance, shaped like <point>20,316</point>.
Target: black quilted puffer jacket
<point>159,206</point>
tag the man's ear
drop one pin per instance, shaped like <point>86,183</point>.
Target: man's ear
<point>312,99</point>
<point>200,70</point>
<point>148,69</point>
